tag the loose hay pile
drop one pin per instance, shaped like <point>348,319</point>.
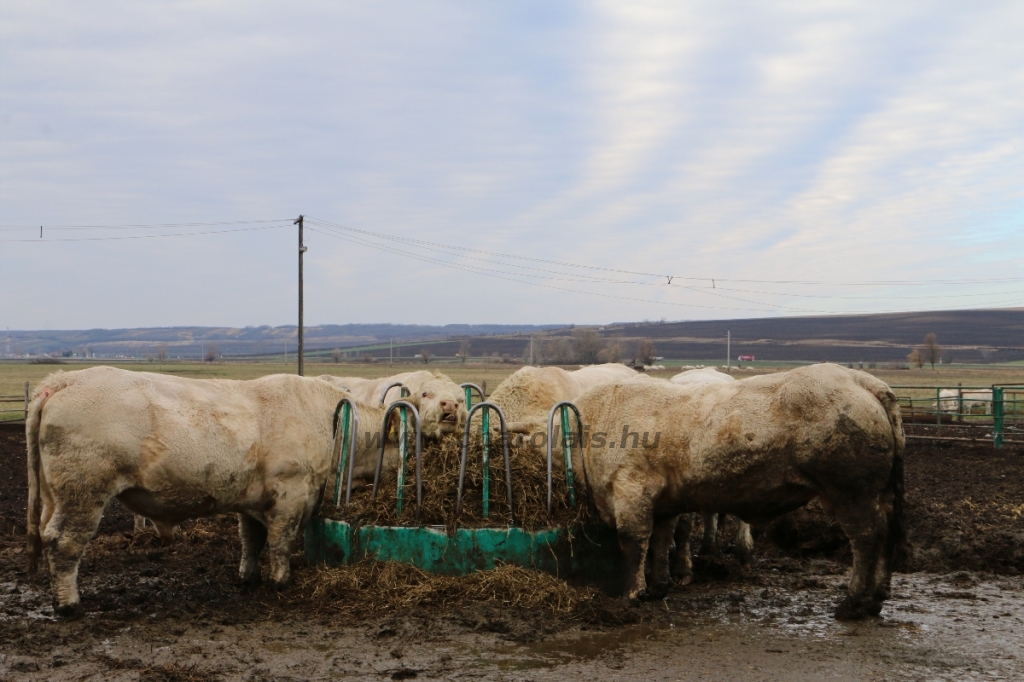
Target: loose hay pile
<point>440,490</point>
<point>371,587</point>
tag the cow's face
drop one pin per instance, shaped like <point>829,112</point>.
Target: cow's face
<point>442,407</point>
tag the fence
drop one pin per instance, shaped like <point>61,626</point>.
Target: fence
<point>964,413</point>
<point>14,414</point>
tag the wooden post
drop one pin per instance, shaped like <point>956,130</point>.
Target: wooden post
<point>302,250</point>
<point>26,398</point>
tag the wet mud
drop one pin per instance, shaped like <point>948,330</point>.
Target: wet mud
<point>176,612</point>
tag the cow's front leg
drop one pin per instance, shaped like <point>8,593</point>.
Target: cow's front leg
<point>661,548</point>
<point>682,566</point>
<point>284,520</point>
<point>634,522</point>
<point>254,537</point>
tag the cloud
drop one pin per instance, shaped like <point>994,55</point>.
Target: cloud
<point>829,142</point>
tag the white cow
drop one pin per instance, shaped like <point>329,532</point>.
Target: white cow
<point>756,448</point>
<point>975,401</point>
<point>173,449</point>
<point>439,400</point>
<point>744,541</point>
<point>527,396</point>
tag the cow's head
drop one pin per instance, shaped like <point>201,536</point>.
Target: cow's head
<point>442,406</point>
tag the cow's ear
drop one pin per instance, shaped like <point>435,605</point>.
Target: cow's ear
<point>394,423</point>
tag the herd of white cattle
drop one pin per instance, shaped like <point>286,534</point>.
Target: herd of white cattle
<point>172,449</point>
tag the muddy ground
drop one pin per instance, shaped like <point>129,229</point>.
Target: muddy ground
<point>176,612</point>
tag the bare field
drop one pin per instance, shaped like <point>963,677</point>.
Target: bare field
<point>14,375</point>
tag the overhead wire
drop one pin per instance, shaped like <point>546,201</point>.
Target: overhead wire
<point>139,236</point>
<point>474,270</point>
<point>603,280</point>
<point>449,247</point>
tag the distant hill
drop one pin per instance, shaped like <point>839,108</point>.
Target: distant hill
<point>190,341</point>
<point>965,335</point>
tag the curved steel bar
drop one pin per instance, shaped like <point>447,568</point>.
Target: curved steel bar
<point>353,432</point>
<point>567,462</point>
<point>468,388</point>
<point>419,450</point>
<point>384,395</point>
<point>465,451</point>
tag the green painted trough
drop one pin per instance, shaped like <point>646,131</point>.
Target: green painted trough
<point>588,555</point>
<point>578,555</point>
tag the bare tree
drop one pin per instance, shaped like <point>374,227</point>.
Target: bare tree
<point>336,355</point>
<point>915,358</point>
<point>464,349</point>
<point>931,351</point>
<point>425,356</point>
<point>611,353</point>
<point>645,352</point>
<point>161,352</point>
<point>587,345</point>
<point>212,352</point>
<point>558,351</point>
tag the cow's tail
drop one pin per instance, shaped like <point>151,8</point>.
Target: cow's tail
<point>896,539</point>
<point>34,543</point>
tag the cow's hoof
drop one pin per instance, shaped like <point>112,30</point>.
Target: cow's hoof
<point>278,585</point>
<point>856,609</point>
<point>658,591</point>
<point>66,610</point>
<point>683,578</point>
<point>251,582</point>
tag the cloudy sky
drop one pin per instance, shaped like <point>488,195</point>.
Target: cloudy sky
<point>807,157</point>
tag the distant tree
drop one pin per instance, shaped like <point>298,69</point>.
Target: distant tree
<point>558,351</point>
<point>425,356</point>
<point>587,345</point>
<point>212,352</point>
<point>161,352</point>
<point>611,353</point>
<point>336,355</point>
<point>464,349</point>
<point>645,352</point>
<point>915,358</point>
<point>931,351</point>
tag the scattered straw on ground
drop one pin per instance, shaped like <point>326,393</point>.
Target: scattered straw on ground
<point>380,587</point>
<point>441,462</point>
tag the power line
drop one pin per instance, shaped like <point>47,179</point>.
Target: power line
<point>586,279</point>
<point>448,247</point>
<point>140,226</point>
<point>138,236</point>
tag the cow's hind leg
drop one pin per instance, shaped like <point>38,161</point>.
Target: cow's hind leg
<point>65,537</point>
<point>866,525</point>
<point>709,544</point>
<point>744,542</point>
<point>254,538</point>
<point>682,565</point>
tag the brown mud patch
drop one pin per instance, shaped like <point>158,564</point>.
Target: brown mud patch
<point>177,612</point>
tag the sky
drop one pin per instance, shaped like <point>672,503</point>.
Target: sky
<point>527,162</point>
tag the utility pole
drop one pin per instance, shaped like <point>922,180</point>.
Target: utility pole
<point>531,349</point>
<point>728,349</point>
<point>302,250</point>
<point>391,356</point>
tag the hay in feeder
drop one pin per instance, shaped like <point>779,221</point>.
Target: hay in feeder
<point>440,490</point>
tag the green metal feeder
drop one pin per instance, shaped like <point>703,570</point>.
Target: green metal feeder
<point>589,555</point>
